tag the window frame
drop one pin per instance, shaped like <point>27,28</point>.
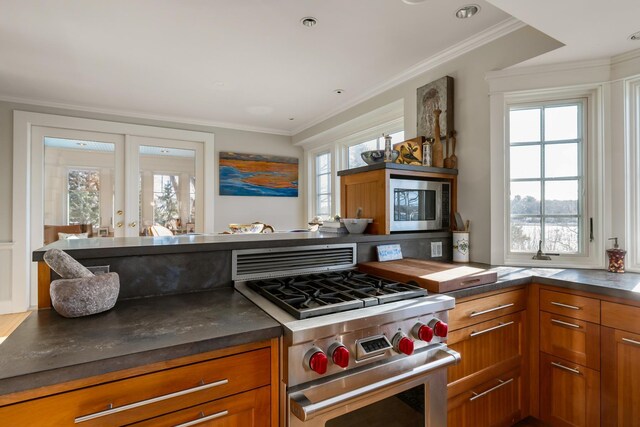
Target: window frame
<point>316,184</point>
<point>632,172</point>
<point>593,177</point>
<point>581,177</point>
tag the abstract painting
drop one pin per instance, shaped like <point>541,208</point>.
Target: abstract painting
<point>437,95</point>
<point>258,175</point>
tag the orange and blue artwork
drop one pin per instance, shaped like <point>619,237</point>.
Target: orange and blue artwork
<point>258,175</point>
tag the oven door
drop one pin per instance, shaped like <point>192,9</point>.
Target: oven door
<point>410,391</point>
<point>415,205</point>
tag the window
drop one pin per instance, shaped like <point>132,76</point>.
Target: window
<point>83,197</point>
<point>165,198</point>
<point>323,185</point>
<point>546,177</point>
<point>354,160</point>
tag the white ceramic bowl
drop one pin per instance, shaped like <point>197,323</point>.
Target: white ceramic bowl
<point>356,226</point>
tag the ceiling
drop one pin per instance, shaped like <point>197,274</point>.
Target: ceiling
<point>590,29</point>
<point>251,64</point>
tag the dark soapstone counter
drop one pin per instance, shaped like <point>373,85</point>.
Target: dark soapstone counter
<point>48,349</point>
<point>625,285</point>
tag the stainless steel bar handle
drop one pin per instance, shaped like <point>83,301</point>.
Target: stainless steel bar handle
<point>560,322</point>
<point>484,393</point>
<point>203,419</point>
<point>305,410</point>
<point>630,341</point>
<point>572,307</point>
<point>566,368</point>
<point>484,331</point>
<point>149,401</point>
<point>490,310</point>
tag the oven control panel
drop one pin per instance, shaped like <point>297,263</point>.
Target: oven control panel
<point>372,347</point>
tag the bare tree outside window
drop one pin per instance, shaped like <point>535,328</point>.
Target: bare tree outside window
<point>83,203</point>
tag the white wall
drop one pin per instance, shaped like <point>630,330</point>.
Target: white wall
<point>281,212</point>
<point>471,107</point>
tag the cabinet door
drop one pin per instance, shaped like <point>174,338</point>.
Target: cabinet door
<point>621,378</point>
<point>495,403</point>
<point>246,409</point>
<point>569,393</point>
<point>570,339</point>
<point>487,349</point>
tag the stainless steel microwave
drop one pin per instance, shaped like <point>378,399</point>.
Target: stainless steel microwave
<point>417,205</point>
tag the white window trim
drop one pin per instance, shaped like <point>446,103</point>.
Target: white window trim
<point>632,173</point>
<point>375,132</point>
<point>594,176</point>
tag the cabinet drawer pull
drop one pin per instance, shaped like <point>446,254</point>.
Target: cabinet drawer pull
<point>572,307</point>
<point>560,322</point>
<point>499,307</point>
<point>566,368</point>
<point>111,411</point>
<point>484,331</point>
<point>630,341</point>
<point>484,393</point>
<point>202,419</point>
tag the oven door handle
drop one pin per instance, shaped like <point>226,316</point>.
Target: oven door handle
<point>306,410</point>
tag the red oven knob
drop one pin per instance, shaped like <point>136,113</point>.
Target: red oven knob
<point>440,329</point>
<point>339,354</point>
<point>317,360</point>
<point>422,332</point>
<point>402,344</point>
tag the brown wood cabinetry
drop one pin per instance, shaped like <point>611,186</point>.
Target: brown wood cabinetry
<point>620,365</point>
<point>571,339</point>
<point>486,388</point>
<point>369,190</point>
<point>234,386</point>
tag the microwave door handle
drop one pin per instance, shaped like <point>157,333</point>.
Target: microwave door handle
<point>306,410</point>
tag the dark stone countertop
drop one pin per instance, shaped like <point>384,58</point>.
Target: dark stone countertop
<point>103,247</point>
<point>397,166</point>
<point>626,285</point>
<point>47,349</point>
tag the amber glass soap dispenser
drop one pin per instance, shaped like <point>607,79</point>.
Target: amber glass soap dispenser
<point>616,257</point>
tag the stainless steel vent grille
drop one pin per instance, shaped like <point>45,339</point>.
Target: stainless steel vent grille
<point>251,264</point>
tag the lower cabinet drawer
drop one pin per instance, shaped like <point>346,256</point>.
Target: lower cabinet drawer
<point>486,349</point>
<point>486,308</point>
<point>569,393</point>
<point>495,403</point>
<point>570,339</point>
<point>246,409</point>
<point>133,399</point>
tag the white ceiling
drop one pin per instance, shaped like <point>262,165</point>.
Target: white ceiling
<point>244,63</point>
<point>250,64</point>
<point>590,29</point>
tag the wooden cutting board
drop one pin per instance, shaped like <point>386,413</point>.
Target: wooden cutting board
<point>434,276</point>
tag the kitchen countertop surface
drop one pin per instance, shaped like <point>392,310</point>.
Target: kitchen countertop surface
<point>48,349</point>
<point>625,285</point>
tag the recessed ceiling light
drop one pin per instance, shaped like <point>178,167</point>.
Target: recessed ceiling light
<point>164,150</point>
<point>412,2</point>
<point>81,144</point>
<point>339,91</point>
<point>467,11</point>
<point>309,21</point>
<point>291,118</point>
<point>635,36</point>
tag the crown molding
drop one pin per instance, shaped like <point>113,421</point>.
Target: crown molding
<point>139,115</point>
<point>484,37</point>
<point>549,68</point>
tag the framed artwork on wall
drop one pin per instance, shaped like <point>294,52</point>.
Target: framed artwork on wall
<point>258,175</point>
<point>437,95</point>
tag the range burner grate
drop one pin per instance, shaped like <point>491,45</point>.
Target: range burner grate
<point>313,295</point>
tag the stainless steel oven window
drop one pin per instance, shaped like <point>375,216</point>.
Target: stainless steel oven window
<point>406,408</point>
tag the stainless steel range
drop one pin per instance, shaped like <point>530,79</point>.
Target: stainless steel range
<point>357,349</point>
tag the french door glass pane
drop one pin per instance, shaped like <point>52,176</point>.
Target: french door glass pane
<point>525,234</point>
<point>524,125</point>
<point>561,234</point>
<point>561,197</point>
<point>561,160</point>
<point>525,161</point>
<point>78,182</point>
<point>561,123</point>
<point>525,198</point>
<point>168,188</point>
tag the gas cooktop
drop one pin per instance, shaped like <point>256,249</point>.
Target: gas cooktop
<point>311,295</point>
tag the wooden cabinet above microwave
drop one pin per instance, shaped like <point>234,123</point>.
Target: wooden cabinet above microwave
<point>369,188</point>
